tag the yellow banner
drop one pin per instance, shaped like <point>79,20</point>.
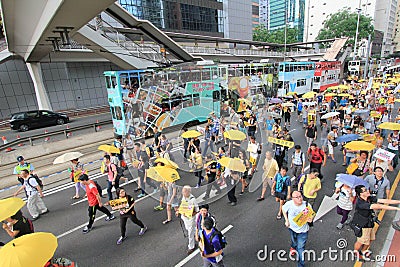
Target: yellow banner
<point>281,142</point>
<point>302,217</point>
<point>185,209</point>
<point>118,204</point>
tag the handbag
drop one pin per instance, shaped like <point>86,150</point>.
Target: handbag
<point>259,149</point>
<point>334,143</point>
<point>356,228</point>
<point>352,168</point>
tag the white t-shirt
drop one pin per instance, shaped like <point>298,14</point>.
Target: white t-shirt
<point>31,186</point>
<point>293,211</point>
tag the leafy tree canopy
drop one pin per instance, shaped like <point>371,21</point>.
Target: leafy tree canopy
<point>344,24</point>
<point>262,34</point>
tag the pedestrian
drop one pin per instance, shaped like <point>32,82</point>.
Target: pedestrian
<point>333,134</point>
<point>393,146</point>
<point>22,165</point>
<point>298,234</point>
<point>231,181</point>
<point>309,185</point>
<point>186,142</point>
<point>269,124</point>
<point>281,189</point>
<point>208,141</point>
<point>17,225</point>
<point>364,218</point>
<point>119,144</point>
<point>172,200</point>
<point>287,115</point>
<point>384,164</point>
<point>200,216</point>
<point>142,172</point>
<point>378,183</point>
<point>156,141</point>
<point>271,169</point>
<point>212,251</point>
<point>76,171</point>
<point>188,210</point>
<point>287,137</point>
<point>244,175</point>
<point>317,158</point>
<point>279,152</point>
<point>129,144</point>
<point>344,203</point>
<point>112,173</point>
<point>128,213</point>
<point>298,163</point>
<point>35,205</point>
<point>311,133</point>
<point>211,171</point>
<point>94,201</point>
<point>324,135</point>
<point>197,162</point>
<point>251,126</point>
<point>253,148</point>
<point>362,162</point>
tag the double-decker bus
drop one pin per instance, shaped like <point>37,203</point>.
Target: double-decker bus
<point>295,77</point>
<point>141,100</point>
<point>393,70</point>
<point>254,81</point>
<point>326,75</point>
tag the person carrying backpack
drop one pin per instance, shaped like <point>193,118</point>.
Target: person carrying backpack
<point>317,158</point>
<point>281,189</point>
<point>298,162</point>
<point>211,245</point>
<point>17,225</point>
<point>35,205</point>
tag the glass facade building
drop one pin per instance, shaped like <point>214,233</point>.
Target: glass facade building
<point>200,16</point>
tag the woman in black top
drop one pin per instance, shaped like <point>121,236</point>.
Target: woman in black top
<point>17,225</point>
<point>128,213</point>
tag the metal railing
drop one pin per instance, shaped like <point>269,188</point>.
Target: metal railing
<point>64,132</point>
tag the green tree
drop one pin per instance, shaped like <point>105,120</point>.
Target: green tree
<point>344,24</point>
<point>262,34</point>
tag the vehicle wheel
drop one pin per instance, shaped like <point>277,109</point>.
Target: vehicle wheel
<point>23,128</point>
<point>60,121</point>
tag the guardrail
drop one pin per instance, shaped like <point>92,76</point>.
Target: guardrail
<point>65,132</point>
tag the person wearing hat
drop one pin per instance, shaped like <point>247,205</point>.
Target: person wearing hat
<point>22,165</point>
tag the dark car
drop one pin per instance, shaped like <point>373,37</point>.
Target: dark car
<point>23,121</point>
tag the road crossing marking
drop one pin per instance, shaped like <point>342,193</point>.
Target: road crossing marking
<point>197,251</point>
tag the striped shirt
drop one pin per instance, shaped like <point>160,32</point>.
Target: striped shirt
<point>298,158</point>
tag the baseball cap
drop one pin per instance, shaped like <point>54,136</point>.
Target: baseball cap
<point>20,158</point>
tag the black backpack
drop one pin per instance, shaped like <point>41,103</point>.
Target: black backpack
<point>38,181</point>
<point>221,238</point>
<point>98,188</point>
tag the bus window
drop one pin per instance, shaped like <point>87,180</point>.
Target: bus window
<point>287,68</point>
<point>301,82</point>
<point>224,95</point>
<point>281,68</point>
<point>196,99</point>
<point>165,105</point>
<point>317,79</point>
<point>216,96</point>
<point>205,74</point>
<point>187,102</point>
<point>108,82</point>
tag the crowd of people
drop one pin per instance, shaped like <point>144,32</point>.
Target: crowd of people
<point>327,121</point>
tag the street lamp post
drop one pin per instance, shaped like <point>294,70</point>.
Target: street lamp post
<point>284,48</point>
<point>358,24</point>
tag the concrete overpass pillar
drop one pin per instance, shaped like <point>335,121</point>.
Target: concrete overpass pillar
<point>42,97</point>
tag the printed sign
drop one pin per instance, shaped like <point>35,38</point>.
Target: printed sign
<point>185,209</point>
<point>384,155</point>
<point>302,218</point>
<point>119,204</point>
<point>281,142</point>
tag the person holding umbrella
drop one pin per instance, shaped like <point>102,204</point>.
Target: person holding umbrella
<point>344,203</point>
<point>76,171</point>
<point>17,225</point>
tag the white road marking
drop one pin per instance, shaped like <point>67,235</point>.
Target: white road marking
<point>197,251</point>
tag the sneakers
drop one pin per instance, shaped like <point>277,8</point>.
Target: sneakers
<point>292,251</point>
<point>142,231</point>
<point>112,217</point>
<point>241,193</point>
<point>197,186</point>
<point>141,195</point>
<point>120,240</point>
<point>339,226</point>
<point>260,199</point>
<point>44,212</point>
<point>158,207</point>
<point>86,230</point>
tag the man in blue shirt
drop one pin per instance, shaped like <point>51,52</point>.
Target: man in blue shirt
<point>212,252</point>
<point>299,109</point>
<point>343,102</point>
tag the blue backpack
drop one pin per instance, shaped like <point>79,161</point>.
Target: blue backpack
<point>281,183</point>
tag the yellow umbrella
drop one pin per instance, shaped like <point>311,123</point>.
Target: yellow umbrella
<point>331,94</point>
<point>163,173</point>
<point>359,145</point>
<point>291,93</point>
<point>389,126</point>
<point>32,250</point>
<point>288,104</point>
<point>235,135</point>
<point>246,101</point>
<point>345,95</point>
<point>10,206</point>
<point>397,100</point>
<point>378,78</point>
<point>167,163</point>
<point>334,87</point>
<point>363,92</point>
<point>191,134</point>
<point>234,164</point>
<point>344,87</point>
<point>375,114</point>
<point>109,149</point>
<point>309,95</point>
<point>361,81</point>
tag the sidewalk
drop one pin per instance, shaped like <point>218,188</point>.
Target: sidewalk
<point>392,246</point>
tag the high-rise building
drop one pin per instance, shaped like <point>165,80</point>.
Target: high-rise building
<point>396,30</point>
<point>255,13</point>
<point>275,14</point>
<point>384,20</point>
<point>198,17</point>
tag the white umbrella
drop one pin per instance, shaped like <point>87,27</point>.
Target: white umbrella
<point>330,115</point>
<point>327,204</point>
<point>288,104</point>
<point>67,157</point>
<point>309,103</point>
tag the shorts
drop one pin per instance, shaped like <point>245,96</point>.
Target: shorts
<point>281,195</point>
<point>368,235</point>
<point>162,192</point>
<point>252,161</point>
<point>267,181</point>
<point>391,106</point>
